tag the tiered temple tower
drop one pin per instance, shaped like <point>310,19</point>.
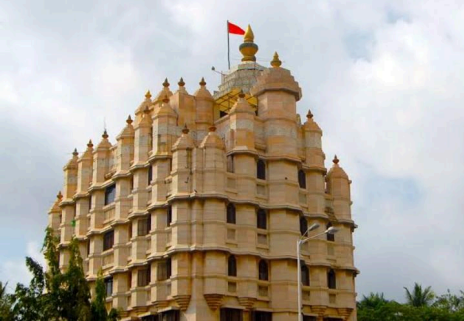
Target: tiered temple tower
<point>193,211</point>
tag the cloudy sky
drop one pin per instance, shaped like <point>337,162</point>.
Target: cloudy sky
<point>384,79</point>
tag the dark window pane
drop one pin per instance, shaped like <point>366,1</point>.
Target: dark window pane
<point>144,226</point>
<point>110,194</point>
<point>263,271</point>
<point>232,266</point>
<point>169,216</point>
<point>231,213</point>
<point>143,277</point>
<point>302,178</point>
<point>262,219</point>
<point>261,169</point>
<point>108,240</point>
<point>262,316</point>
<point>109,286</point>
<point>303,225</point>
<point>150,174</point>
<point>331,280</point>
<point>304,275</point>
<point>228,314</point>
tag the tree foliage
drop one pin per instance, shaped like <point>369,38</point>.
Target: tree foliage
<point>54,294</point>
<point>421,305</point>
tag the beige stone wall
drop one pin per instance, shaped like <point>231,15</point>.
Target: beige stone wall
<point>174,171</point>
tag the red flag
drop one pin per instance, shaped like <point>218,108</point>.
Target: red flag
<point>234,29</point>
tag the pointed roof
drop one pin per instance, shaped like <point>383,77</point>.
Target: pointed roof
<point>165,109</point>
<point>276,79</point>
<point>310,124</point>
<point>242,105</point>
<point>185,141</point>
<point>73,161</point>
<point>248,48</point>
<point>145,103</point>
<point>128,130</point>
<point>202,92</point>
<point>56,205</point>
<point>336,171</point>
<point>163,93</point>
<point>181,88</point>
<point>88,152</point>
<point>104,143</point>
<point>212,140</point>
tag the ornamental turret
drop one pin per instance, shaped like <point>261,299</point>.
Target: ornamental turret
<point>204,110</point>
<point>338,185</point>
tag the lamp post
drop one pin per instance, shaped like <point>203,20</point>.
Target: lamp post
<point>303,239</point>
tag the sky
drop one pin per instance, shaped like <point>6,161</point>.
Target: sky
<point>384,80</point>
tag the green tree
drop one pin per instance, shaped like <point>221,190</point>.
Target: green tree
<point>6,299</point>
<point>98,304</point>
<point>419,297</point>
<point>372,301</point>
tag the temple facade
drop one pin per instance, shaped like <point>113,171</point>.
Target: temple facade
<point>193,211</point>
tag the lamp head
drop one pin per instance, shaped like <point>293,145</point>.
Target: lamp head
<point>331,230</point>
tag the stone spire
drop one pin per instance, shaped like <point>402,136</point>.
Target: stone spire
<point>202,91</point>
<point>248,48</point>
<point>241,105</point>
<point>185,141</point>
<point>104,143</point>
<point>181,84</point>
<point>212,140</point>
<point>336,171</point>
<point>276,63</point>
<point>163,93</point>
<point>147,102</point>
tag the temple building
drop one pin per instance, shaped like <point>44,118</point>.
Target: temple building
<point>192,212</point>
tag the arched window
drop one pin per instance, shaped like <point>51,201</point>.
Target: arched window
<point>330,236</point>
<point>303,225</point>
<point>261,169</point>
<point>305,275</point>
<point>263,271</point>
<point>231,213</point>
<point>331,280</point>
<point>232,266</point>
<point>261,219</point>
<point>302,178</point>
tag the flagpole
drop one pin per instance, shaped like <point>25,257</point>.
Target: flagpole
<point>228,45</point>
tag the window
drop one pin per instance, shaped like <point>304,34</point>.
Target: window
<point>228,314</point>
<point>261,219</point>
<point>90,202</point>
<point>231,213</point>
<point>164,270</point>
<point>144,226</point>
<point>108,240</point>
<point>303,225</point>
<point>331,280</point>
<point>150,174</point>
<point>330,236</point>
<point>304,275</point>
<point>131,184</point>
<point>129,280</point>
<point>302,178</point>
<point>88,248</point>
<point>261,169</point>
<point>172,315</point>
<point>109,286</point>
<point>230,164</point>
<point>263,271</point>
<point>110,193</point>
<point>232,266</point>
<point>309,318</point>
<point>129,234</point>
<point>168,216</point>
<point>261,316</point>
<point>144,276</point>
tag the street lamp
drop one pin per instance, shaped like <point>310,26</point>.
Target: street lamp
<point>303,239</point>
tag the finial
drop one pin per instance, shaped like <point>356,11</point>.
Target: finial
<point>249,36</point>
<point>166,83</point>
<point>75,153</point>
<point>165,99</point>
<point>335,160</point>
<point>309,115</point>
<point>276,61</point>
<point>202,82</point>
<point>185,130</point>
<point>129,120</point>
<point>241,94</point>
<point>248,48</point>
<point>148,94</point>
<point>212,129</point>
<point>105,134</point>
<point>90,144</point>
<point>59,195</point>
<point>181,82</point>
